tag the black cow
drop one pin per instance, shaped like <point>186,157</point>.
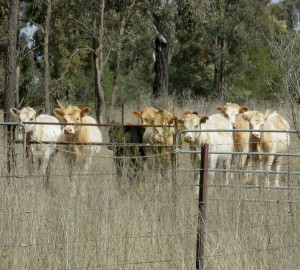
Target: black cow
<point>134,155</point>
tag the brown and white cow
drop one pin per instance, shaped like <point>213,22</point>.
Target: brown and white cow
<point>219,141</point>
<point>79,155</point>
<point>232,112</point>
<point>272,143</point>
<point>38,133</point>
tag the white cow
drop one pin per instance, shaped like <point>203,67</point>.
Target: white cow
<point>219,141</point>
<point>268,142</point>
<point>39,133</point>
<point>79,155</point>
<point>233,112</point>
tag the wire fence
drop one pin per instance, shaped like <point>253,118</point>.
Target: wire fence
<point>96,219</point>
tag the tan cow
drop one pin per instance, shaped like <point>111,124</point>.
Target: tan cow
<point>232,112</point>
<point>219,141</point>
<point>40,153</point>
<point>268,142</point>
<point>158,132</point>
<point>74,132</point>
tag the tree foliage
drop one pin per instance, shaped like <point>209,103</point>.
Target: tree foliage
<point>217,49</point>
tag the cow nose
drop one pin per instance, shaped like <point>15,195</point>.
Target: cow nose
<point>158,139</point>
<point>188,138</point>
<point>68,130</point>
<point>256,135</point>
<point>233,125</point>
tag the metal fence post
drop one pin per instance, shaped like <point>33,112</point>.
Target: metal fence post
<point>202,206</point>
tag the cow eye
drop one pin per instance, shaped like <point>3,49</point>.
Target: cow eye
<point>262,125</point>
<point>78,119</point>
<point>31,119</point>
<point>196,126</point>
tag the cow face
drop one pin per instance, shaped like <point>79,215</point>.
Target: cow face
<point>192,122</point>
<point>147,115</point>
<point>256,122</point>
<point>164,134</point>
<point>27,114</point>
<point>231,111</point>
<point>71,115</point>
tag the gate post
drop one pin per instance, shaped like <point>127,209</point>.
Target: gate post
<point>202,206</point>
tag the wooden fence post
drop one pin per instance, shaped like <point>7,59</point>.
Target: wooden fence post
<point>202,206</point>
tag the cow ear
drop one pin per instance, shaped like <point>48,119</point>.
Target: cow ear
<point>267,114</point>
<point>203,119</point>
<point>39,111</point>
<point>180,121</point>
<point>15,112</point>
<point>136,114</point>
<point>59,112</point>
<point>195,113</point>
<point>219,109</point>
<point>243,109</point>
<point>84,111</point>
<point>245,116</point>
<point>173,120</point>
<point>186,111</point>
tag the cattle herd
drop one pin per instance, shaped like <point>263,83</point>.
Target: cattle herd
<point>239,139</point>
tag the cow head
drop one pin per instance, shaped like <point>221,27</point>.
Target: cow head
<point>164,134</point>
<point>231,111</point>
<point>71,115</point>
<point>256,122</point>
<point>192,121</point>
<point>27,114</point>
<point>146,114</point>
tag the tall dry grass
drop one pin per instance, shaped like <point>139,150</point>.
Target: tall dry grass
<point>96,221</point>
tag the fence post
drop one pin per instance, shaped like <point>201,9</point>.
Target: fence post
<point>202,206</point>
<point>11,154</point>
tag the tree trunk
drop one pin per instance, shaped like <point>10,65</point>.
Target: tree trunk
<point>98,64</point>
<point>46,58</point>
<point>10,79</point>
<point>11,60</point>
<point>219,70</point>
<point>160,86</point>
<point>117,69</point>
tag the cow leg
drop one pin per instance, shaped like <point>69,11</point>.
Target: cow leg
<point>276,166</point>
<point>212,166</point>
<point>248,165</point>
<point>227,166</point>
<point>256,166</point>
<point>48,170</point>
<point>30,163</point>
<point>268,167</point>
<point>118,165</point>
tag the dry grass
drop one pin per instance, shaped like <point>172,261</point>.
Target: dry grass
<point>98,222</point>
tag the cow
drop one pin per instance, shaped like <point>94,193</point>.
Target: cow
<point>219,141</point>
<point>81,153</point>
<point>38,133</point>
<point>232,112</point>
<point>127,134</point>
<point>158,136</point>
<point>272,143</point>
